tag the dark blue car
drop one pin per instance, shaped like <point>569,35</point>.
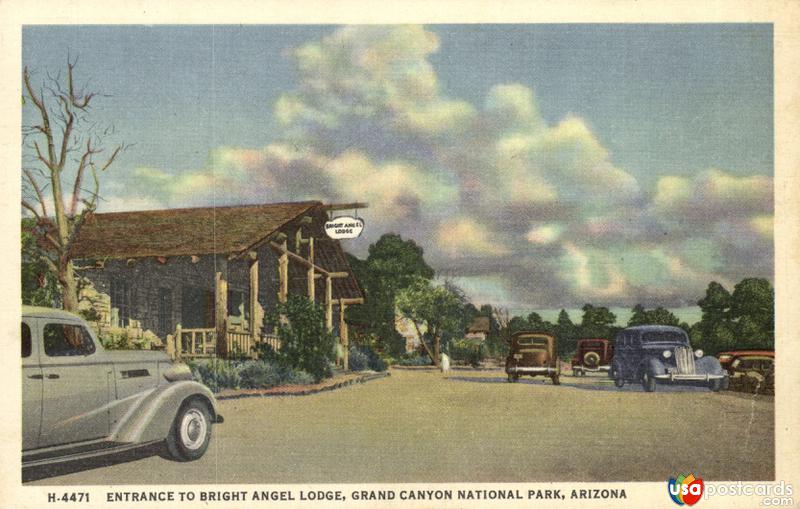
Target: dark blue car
<point>653,354</point>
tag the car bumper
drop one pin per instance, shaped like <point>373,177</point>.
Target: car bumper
<point>591,370</point>
<point>675,377</point>
<point>524,370</point>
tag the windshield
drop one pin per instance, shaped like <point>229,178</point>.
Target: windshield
<point>536,342</point>
<point>665,337</point>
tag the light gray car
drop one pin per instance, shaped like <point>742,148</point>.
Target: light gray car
<point>80,401</point>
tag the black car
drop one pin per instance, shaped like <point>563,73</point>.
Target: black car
<point>653,354</point>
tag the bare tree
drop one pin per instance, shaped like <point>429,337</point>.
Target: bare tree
<point>62,147</point>
<point>502,317</point>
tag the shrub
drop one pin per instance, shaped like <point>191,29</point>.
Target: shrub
<point>357,359</point>
<point>258,374</point>
<point>468,353</point>
<point>363,357</point>
<point>414,360</point>
<point>220,374</point>
<point>217,374</point>
<point>306,343</point>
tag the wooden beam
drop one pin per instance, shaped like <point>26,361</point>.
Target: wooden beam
<point>283,250</point>
<point>283,272</point>
<point>311,284</point>
<point>221,308</point>
<point>346,206</point>
<point>344,335</point>
<point>254,326</point>
<point>349,302</point>
<point>329,303</point>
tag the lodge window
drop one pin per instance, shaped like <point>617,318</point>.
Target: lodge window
<point>164,310</point>
<point>122,299</point>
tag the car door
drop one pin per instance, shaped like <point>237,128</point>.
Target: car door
<point>75,403</point>
<point>620,355</point>
<point>635,354</point>
<point>31,386</point>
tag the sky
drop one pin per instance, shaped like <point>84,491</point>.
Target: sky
<point>539,166</point>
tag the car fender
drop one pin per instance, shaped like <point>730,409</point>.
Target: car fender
<point>709,365</point>
<point>651,365</point>
<point>151,419</point>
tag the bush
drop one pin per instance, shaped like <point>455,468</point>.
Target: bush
<point>306,343</point>
<point>357,360</point>
<point>362,357</point>
<point>220,374</point>
<point>414,360</point>
<point>217,374</point>
<point>468,353</point>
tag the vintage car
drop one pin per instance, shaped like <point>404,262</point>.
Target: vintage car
<point>80,401</point>
<point>592,355</point>
<point>653,354</point>
<point>533,353</point>
<point>752,371</point>
<point>726,358</point>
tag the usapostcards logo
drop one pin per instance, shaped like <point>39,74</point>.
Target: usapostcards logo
<point>685,490</point>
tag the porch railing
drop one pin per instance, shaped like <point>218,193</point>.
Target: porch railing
<point>199,343</point>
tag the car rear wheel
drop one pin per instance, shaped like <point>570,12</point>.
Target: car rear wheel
<point>715,385</point>
<point>556,380</point>
<point>648,382</point>
<point>190,434</point>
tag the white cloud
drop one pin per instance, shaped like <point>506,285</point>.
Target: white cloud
<point>489,190</point>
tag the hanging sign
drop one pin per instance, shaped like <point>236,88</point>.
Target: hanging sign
<point>344,227</point>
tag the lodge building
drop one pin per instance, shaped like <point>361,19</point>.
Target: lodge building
<point>202,278</point>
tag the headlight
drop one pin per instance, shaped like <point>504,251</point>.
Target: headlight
<point>177,372</point>
<point>698,353</point>
<point>667,354</point>
<point>518,356</point>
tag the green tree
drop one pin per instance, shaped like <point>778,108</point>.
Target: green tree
<point>39,283</point>
<point>496,345</point>
<point>638,316</point>
<point>391,266</point>
<point>437,309</point>
<point>715,311</point>
<point>566,332</point>
<point>657,316</point>
<point>597,322</point>
<point>753,309</point>
<point>535,322</point>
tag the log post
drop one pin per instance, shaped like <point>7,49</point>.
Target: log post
<point>255,327</point>
<point>221,307</point>
<point>344,335</point>
<point>311,284</point>
<point>283,273</point>
<point>178,342</point>
<point>329,303</point>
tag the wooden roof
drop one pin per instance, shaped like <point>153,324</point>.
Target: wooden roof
<point>480,324</point>
<point>177,232</point>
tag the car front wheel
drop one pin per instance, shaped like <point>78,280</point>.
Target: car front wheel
<point>618,380</point>
<point>190,434</point>
<point>648,382</point>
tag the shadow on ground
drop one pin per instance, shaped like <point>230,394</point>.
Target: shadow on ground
<point>69,467</point>
<point>594,385</point>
